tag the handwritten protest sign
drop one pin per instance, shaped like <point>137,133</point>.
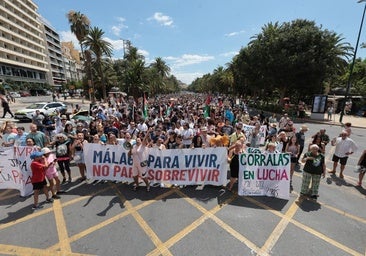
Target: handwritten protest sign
<point>15,170</point>
<point>175,166</point>
<point>264,174</point>
<point>248,130</point>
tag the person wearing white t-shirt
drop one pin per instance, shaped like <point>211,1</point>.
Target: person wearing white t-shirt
<point>345,146</point>
<point>187,135</point>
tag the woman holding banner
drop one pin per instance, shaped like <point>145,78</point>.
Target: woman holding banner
<point>233,159</point>
<point>293,148</point>
<point>314,169</point>
<point>139,158</point>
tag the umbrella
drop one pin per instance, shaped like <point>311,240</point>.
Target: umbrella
<point>81,118</point>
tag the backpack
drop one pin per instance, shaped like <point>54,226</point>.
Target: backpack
<point>61,150</point>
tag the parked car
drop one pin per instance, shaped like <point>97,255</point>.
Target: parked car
<point>14,94</point>
<point>24,93</point>
<point>46,108</point>
<point>361,112</point>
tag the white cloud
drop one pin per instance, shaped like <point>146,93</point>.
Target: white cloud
<point>187,77</point>
<point>116,29</point>
<point>235,33</point>
<point>67,36</point>
<point>162,19</point>
<point>188,59</point>
<point>116,44</point>
<point>143,52</point>
<point>229,54</point>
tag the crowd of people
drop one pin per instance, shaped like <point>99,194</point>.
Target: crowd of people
<point>172,122</point>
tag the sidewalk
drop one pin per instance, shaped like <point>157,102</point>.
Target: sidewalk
<point>356,121</point>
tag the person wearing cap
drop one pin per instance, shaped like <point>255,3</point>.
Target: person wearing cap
<point>21,137</point>
<point>344,146</point>
<point>314,169</point>
<point>38,166</point>
<point>51,172</point>
<point>300,136</point>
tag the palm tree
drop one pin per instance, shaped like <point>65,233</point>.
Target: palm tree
<point>79,25</point>
<point>100,48</point>
<point>161,67</point>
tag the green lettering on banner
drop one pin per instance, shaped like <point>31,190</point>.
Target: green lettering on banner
<point>248,175</point>
<point>243,159</point>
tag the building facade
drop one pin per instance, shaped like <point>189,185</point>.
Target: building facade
<point>73,64</point>
<point>23,56</point>
<point>56,74</point>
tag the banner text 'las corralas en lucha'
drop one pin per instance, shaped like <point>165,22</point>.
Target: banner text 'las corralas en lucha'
<point>174,166</point>
<point>264,174</point>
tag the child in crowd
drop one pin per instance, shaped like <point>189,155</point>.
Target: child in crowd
<point>39,166</point>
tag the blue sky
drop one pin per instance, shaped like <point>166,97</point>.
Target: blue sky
<point>196,36</point>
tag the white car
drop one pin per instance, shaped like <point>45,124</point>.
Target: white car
<point>14,94</point>
<point>46,108</point>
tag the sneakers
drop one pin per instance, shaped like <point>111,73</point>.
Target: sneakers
<point>56,197</point>
<point>63,181</point>
<point>70,180</point>
<point>37,207</point>
<point>148,188</point>
<point>49,200</point>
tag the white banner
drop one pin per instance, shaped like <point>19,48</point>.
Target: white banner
<point>174,166</point>
<point>248,129</point>
<point>264,174</point>
<point>15,169</point>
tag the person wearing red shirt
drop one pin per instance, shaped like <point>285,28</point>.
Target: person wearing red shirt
<point>39,166</point>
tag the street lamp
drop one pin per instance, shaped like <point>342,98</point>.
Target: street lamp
<point>353,63</point>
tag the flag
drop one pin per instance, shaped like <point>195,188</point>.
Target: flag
<point>206,112</point>
<point>144,108</point>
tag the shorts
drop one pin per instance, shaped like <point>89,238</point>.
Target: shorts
<point>293,159</point>
<point>137,170</point>
<point>342,160</point>
<point>50,176</point>
<point>39,185</point>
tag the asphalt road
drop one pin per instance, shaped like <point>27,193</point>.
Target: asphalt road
<point>111,219</point>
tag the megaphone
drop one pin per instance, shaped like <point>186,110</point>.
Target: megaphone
<point>127,145</point>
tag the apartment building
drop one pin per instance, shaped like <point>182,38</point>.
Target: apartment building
<point>73,64</point>
<point>23,54</point>
<point>56,74</point>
